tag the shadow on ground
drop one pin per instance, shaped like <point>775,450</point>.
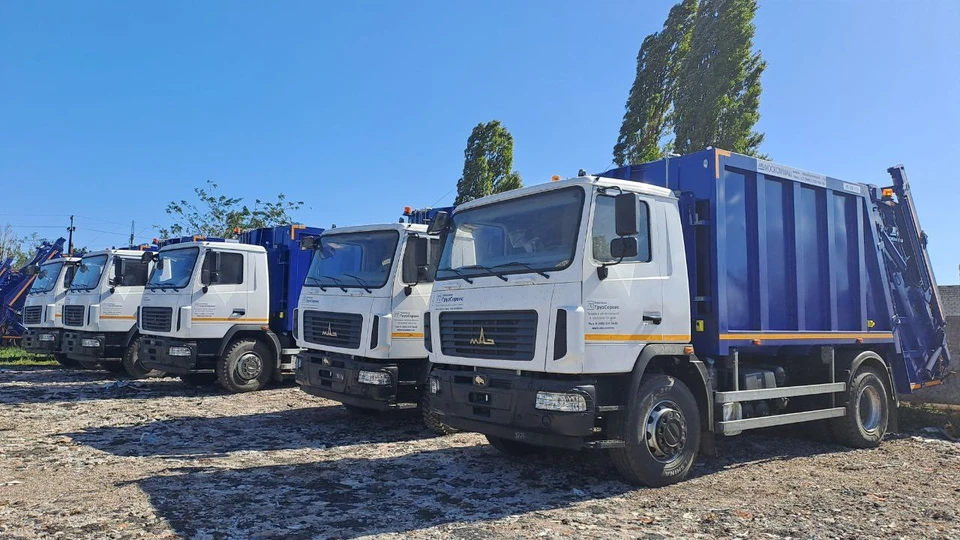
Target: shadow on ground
<point>466,485</point>
<point>201,437</point>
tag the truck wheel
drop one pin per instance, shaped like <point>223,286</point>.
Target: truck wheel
<point>246,366</point>
<point>432,419</point>
<point>132,365</point>
<point>661,432</point>
<point>868,411</point>
<point>65,361</point>
<point>198,379</point>
<point>511,447</point>
<point>114,367</point>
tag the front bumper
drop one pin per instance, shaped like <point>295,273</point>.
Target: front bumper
<point>110,345</point>
<point>32,340</point>
<point>335,376</point>
<point>502,404</point>
<point>155,354</point>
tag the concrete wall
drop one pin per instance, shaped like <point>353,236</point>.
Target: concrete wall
<point>948,392</point>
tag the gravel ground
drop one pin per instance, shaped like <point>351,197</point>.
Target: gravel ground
<point>83,456</point>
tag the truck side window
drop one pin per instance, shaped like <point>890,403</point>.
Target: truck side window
<point>433,258</point>
<point>231,268</point>
<point>134,273</point>
<point>604,230</point>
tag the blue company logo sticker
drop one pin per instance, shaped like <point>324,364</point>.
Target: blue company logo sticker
<point>447,301</point>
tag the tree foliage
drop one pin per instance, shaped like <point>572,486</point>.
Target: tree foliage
<point>19,248</point>
<point>718,90</point>
<point>646,121</point>
<point>487,163</point>
<point>215,214</point>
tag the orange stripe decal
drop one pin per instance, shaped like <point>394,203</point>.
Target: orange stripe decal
<point>821,335</point>
<point>119,317</point>
<point>637,337</point>
<point>227,319</point>
<point>407,335</point>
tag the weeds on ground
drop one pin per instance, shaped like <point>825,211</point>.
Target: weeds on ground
<point>15,356</point>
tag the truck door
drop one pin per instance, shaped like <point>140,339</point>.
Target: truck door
<point>623,311</point>
<point>226,301</point>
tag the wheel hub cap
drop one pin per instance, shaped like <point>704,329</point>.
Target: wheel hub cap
<point>665,431</point>
<point>249,366</point>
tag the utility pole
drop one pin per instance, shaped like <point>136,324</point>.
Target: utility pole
<point>132,224</point>
<point>70,230</point>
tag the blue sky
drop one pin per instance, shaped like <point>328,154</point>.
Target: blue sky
<point>110,109</point>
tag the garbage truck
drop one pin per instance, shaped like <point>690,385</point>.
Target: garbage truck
<point>14,286</point>
<point>99,311</point>
<point>43,308</point>
<point>359,320</point>
<point>217,310</point>
<point>647,309</point>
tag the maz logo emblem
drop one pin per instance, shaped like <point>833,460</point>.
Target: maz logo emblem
<point>480,380</point>
<point>482,340</point>
<point>328,332</point>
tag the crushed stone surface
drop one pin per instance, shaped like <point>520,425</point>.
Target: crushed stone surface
<point>85,456</point>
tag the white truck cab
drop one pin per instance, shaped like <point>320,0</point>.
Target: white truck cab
<point>221,310</point>
<point>359,317</point>
<point>100,308</point>
<point>43,308</point>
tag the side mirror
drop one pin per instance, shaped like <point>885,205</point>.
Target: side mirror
<point>210,272</point>
<point>32,269</point>
<point>414,258</point>
<point>624,248</point>
<point>439,223</point>
<point>117,278</point>
<point>625,208</point>
<point>149,256</point>
<point>308,243</point>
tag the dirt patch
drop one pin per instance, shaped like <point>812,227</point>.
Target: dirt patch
<point>85,456</point>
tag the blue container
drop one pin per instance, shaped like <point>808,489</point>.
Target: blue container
<point>287,266</point>
<point>784,258</point>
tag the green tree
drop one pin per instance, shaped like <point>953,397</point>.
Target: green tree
<point>717,96</point>
<point>487,163</point>
<point>215,214</point>
<point>646,122</point>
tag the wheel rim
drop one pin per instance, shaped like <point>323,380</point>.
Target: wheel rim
<point>665,431</point>
<point>869,407</point>
<point>249,366</point>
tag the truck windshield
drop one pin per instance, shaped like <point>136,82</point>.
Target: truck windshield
<point>47,277</point>
<point>88,272</point>
<point>353,260</point>
<point>173,269</point>
<point>536,233</point>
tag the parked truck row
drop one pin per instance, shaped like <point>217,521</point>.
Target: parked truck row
<point>642,311</point>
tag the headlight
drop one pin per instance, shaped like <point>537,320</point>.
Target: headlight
<point>555,401</point>
<point>299,363</point>
<point>179,351</point>
<point>434,385</point>
<point>379,378</point>
<point>89,342</point>
<point>46,337</point>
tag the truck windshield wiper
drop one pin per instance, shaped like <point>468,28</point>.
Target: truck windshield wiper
<point>360,281</point>
<point>457,272</point>
<point>338,282</point>
<point>488,269</point>
<point>527,266</point>
<point>318,282</point>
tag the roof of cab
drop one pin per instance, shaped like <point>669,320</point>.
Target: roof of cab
<point>585,181</point>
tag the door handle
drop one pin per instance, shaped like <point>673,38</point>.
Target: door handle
<point>652,317</point>
<point>238,311</point>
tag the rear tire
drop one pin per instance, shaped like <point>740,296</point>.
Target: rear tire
<point>65,361</point>
<point>510,447</point>
<point>198,379</point>
<point>131,363</point>
<point>868,411</point>
<point>661,432</point>
<point>432,419</point>
<point>246,366</point>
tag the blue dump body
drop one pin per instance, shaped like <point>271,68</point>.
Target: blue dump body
<point>782,259</point>
<point>14,285</point>
<point>287,266</point>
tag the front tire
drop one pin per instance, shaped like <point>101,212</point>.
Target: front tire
<point>246,366</point>
<point>66,361</point>
<point>868,411</point>
<point>661,432</point>
<point>131,363</point>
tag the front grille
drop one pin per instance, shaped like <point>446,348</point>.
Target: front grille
<point>495,335</point>
<point>330,328</point>
<point>73,315</point>
<point>156,319</point>
<point>32,314</point>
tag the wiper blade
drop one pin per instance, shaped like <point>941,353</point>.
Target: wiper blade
<point>487,268</point>
<point>318,282</point>
<point>360,281</point>
<point>457,272</point>
<point>527,266</point>
<point>338,282</point>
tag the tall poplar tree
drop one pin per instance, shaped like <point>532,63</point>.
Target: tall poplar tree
<point>487,163</point>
